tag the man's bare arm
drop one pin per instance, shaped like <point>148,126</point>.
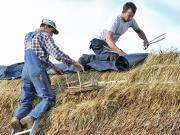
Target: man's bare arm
<point>112,45</point>
<point>142,35</point>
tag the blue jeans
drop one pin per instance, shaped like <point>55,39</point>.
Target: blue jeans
<point>35,82</point>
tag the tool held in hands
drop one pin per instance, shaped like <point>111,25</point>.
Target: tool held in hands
<point>155,40</point>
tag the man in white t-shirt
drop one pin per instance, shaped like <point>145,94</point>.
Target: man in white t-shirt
<point>105,41</point>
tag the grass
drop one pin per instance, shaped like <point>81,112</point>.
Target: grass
<point>142,101</point>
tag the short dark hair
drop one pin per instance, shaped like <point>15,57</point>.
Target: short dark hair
<point>129,5</point>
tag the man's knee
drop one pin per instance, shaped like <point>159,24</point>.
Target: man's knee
<point>50,100</point>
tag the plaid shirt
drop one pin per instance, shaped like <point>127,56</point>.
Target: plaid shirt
<point>43,45</point>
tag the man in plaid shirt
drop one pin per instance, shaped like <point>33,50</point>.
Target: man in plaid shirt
<point>38,46</point>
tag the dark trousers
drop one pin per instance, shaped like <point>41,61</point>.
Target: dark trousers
<point>99,46</point>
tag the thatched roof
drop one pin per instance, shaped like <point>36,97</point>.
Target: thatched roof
<point>144,100</point>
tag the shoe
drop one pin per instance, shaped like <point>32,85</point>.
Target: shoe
<point>16,125</point>
<point>27,122</point>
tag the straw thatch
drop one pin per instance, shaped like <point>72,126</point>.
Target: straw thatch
<point>144,100</point>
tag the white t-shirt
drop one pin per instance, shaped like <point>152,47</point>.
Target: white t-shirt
<point>117,26</point>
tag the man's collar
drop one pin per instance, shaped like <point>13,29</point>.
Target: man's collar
<point>121,16</point>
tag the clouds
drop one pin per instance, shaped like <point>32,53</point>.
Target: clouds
<point>77,22</point>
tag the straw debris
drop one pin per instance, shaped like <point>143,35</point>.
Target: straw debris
<point>144,100</point>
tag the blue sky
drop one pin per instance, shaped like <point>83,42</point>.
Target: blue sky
<point>171,9</point>
<point>79,20</point>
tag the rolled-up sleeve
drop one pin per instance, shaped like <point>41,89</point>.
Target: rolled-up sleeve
<point>55,52</point>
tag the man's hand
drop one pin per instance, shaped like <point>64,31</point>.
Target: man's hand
<point>142,35</point>
<point>58,70</point>
<point>121,52</point>
<point>146,44</point>
<point>78,66</point>
<point>112,45</point>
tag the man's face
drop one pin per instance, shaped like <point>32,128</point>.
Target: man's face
<point>128,15</point>
<point>49,30</point>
